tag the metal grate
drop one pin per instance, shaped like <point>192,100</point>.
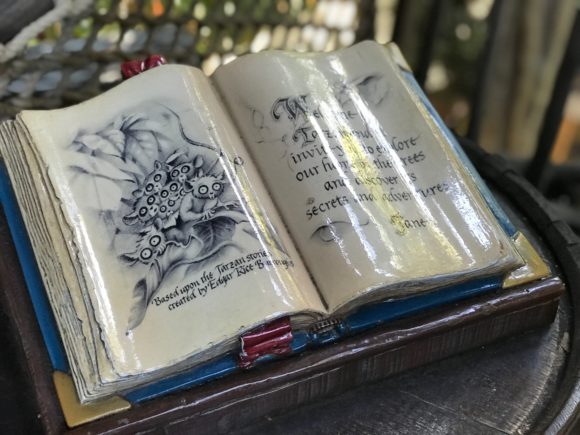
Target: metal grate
<point>79,57</point>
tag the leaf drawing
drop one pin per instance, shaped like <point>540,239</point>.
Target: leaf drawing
<point>163,197</point>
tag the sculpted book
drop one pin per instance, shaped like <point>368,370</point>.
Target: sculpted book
<point>175,213</point>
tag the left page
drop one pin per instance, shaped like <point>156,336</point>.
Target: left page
<point>174,239</point>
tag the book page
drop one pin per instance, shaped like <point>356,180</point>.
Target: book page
<point>371,192</point>
<point>175,239</point>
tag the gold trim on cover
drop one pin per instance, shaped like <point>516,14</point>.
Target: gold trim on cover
<point>77,414</point>
<point>534,269</point>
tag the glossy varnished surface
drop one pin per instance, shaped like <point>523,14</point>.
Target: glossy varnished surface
<point>524,384</point>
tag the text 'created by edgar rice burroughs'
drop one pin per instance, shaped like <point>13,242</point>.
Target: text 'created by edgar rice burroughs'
<point>220,276</point>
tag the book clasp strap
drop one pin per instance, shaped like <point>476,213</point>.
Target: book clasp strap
<point>133,67</point>
<point>273,338</point>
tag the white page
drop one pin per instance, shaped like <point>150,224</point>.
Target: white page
<point>371,193</point>
<point>209,269</point>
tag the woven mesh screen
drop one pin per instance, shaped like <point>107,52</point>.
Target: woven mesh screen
<point>80,57</point>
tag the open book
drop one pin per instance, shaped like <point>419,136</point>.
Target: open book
<point>175,212</point>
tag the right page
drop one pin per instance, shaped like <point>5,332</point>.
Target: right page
<point>374,197</point>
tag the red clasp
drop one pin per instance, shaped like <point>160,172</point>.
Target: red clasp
<point>273,338</point>
<point>133,67</point>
